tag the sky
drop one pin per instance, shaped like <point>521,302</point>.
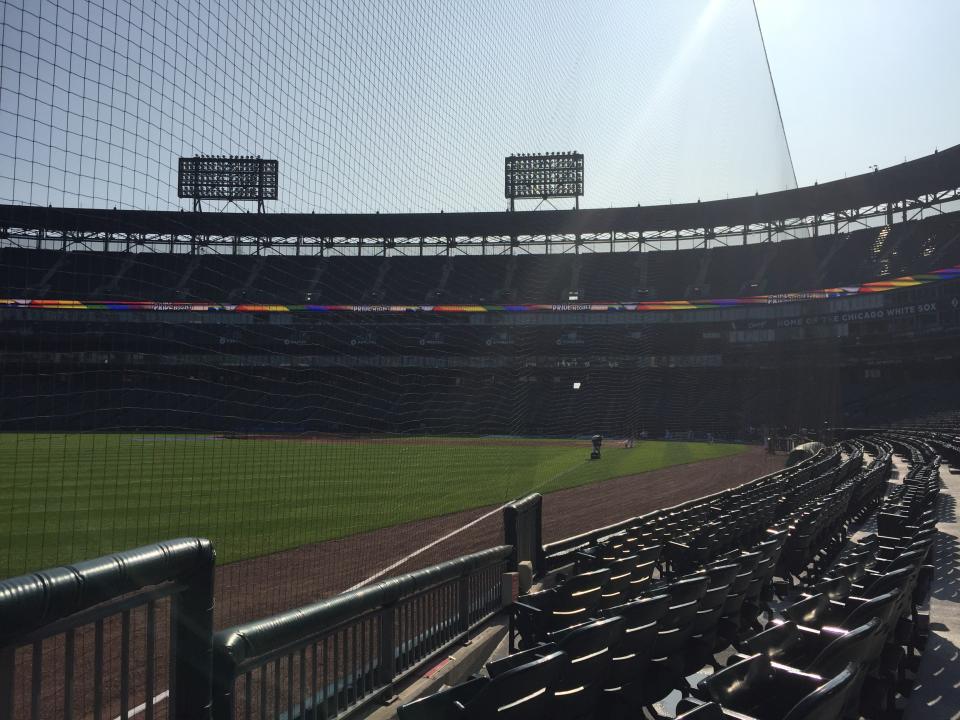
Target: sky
<point>863,82</point>
<point>375,105</point>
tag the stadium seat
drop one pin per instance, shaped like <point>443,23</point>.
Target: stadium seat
<point>630,655</point>
<point>730,617</point>
<point>575,601</point>
<point>618,587</point>
<point>521,693</point>
<point>589,650</point>
<point>665,669</point>
<point>769,690</point>
<point>825,651</point>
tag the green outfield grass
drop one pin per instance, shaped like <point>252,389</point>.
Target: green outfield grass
<point>68,497</point>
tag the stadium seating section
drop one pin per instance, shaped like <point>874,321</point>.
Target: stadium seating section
<point>796,596</point>
<point>792,266</point>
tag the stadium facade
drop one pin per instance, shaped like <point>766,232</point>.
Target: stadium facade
<point>126,319</point>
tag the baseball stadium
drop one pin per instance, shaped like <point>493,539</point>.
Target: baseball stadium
<point>335,384</point>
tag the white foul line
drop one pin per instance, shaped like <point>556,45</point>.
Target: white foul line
<point>449,535</point>
<point>426,547</point>
<point>143,706</point>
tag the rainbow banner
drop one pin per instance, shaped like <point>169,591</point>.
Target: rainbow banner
<point>878,286</point>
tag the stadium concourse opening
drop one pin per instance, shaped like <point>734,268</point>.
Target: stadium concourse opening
<point>332,386</point>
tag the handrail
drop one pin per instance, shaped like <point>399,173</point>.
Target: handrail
<point>29,602</point>
<point>61,599</point>
<point>261,637</point>
<point>244,648</point>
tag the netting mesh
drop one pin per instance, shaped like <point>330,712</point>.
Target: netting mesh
<point>385,106</point>
<point>351,441</point>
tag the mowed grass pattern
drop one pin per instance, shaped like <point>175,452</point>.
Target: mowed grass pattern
<point>75,496</point>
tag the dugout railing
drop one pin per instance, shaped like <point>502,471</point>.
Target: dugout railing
<point>117,635</point>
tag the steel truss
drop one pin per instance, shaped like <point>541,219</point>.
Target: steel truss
<point>549,243</point>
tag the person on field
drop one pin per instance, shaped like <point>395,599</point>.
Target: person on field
<point>597,442</point>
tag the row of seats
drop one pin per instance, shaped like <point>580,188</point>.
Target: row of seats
<point>858,625</point>
<point>796,265</point>
<point>646,608</point>
<point>693,531</point>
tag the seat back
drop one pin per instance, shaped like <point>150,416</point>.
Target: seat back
<point>827,700</point>
<point>709,609</point>
<point>729,685</point>
<point>777,642</point>
<point>836,588</point>
<point>687,589</point>
<point>641,619</point>
<point>648,553</point>
<point>578,598</point>
<point>738,591</point>
<point>809,611</point>
<point>762,574</point>
<point>642,574</point>
<point>722,573</point>
<point>770,549</point>
<point>523,693</point>
<point>640,612</point>
<point>616,591</point>
<point>852,570</point>
<point>589,651</point>
<point>906,560</point>
<point>850,646</point>
<point>893,580</point>
<point>588,646</point>
<point>674,629</point>
<point>878,607</point>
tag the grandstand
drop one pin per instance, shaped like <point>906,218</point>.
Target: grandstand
<point>329,456</point>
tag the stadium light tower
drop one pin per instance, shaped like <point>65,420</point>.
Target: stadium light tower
<point>229,178</point>
<point>542,176</point>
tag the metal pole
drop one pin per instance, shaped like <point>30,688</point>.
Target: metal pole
<point>192,625</point>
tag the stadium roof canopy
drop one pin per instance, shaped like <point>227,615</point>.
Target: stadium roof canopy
<point>918,184</point>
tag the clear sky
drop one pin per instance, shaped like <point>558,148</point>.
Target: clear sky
<point>384,105</point>
<point>864,82</point>
<point>379,105</point>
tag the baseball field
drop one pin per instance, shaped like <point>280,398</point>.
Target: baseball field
<point>69,496</point>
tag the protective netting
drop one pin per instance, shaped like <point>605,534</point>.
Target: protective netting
<point>386,106</point>
<point>313,434</point>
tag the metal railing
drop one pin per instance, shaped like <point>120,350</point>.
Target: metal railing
<point>331,658</point>
<point>104,637</point>
<point>523,529</point>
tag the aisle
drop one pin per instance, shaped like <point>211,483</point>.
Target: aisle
<point>936,694</point>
